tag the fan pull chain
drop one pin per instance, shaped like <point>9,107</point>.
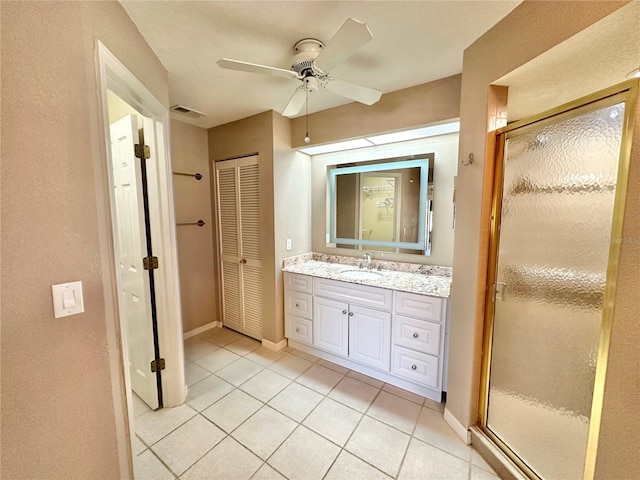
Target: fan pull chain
<point>306,102</point>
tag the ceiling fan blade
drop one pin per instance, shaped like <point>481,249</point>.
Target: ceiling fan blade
<point>356,92</point>
<point>255,68</point>
<point>351,36</point>
<point>295,102</point>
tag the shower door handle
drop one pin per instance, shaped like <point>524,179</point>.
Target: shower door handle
<point>498,291</point>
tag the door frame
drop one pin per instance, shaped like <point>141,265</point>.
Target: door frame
<point>627,92</point>
<point>397,199</point>
<point>113,75</point>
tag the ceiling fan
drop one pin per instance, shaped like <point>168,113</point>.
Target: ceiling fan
<point>313,63</point>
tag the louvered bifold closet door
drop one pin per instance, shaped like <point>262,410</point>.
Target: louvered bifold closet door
<point>228,223</point>
<point>251,246</point>
<point>238,196</point>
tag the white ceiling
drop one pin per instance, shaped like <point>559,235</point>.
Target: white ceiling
<point>413,43</point>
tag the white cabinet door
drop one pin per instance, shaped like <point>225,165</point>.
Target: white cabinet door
<point>370,337</point>
<point>331,326</point>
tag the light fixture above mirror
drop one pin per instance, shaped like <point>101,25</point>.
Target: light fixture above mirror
<point>383,139</point>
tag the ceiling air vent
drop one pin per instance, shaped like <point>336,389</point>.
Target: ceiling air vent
<point>189,112</point>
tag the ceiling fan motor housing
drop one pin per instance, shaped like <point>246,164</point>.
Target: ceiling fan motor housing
<point>307,50</point>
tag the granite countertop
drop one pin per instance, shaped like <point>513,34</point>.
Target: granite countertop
<point>434,285</point>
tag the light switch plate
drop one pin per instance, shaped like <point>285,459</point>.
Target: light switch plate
<point>69,294</point>
<point>288,244</point>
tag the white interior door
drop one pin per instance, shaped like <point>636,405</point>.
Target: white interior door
<point>131,249</point>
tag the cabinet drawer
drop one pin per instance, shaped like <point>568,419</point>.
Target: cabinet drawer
<point>298,303</point>
<point>363,295</point>
<point>414,366</point>
<point>418,335</point>
<point>299,329</point>
<point>418,306</point>
<point>300,283</point>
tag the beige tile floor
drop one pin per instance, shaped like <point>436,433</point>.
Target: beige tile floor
<point>255,414</point>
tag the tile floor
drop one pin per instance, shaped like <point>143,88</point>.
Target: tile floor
<point>255,414</point>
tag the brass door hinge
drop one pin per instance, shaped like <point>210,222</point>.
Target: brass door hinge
<point>157,364</point>
<point>142,151</point>
<point>150,263</point>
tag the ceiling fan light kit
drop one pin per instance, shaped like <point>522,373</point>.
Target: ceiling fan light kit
<point>312,64</point>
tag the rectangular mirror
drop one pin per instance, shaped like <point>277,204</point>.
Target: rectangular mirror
<point>382,205</point>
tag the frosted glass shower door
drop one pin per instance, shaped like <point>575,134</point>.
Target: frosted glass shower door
<point>559,182</point>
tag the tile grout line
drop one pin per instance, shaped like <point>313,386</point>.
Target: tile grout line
<point>250,416</point>
<point>437,447</point>
<point>227,434</point>
<point>150,447</point>
<point>411,437</point>
<point>364,414</point>
<point>299,423</point>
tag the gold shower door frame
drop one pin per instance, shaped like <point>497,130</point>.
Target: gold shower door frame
<point>626,92</point>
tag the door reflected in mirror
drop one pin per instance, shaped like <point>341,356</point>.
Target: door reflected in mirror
<point>382,205</point>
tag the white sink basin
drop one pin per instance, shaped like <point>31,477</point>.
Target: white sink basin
<point>361,274</point>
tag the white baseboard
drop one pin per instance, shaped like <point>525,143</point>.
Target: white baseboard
<point>457,427</point>
<point>274,347</point>
<point>202,329</point>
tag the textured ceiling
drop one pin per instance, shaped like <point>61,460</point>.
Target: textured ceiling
<point>413,43</point>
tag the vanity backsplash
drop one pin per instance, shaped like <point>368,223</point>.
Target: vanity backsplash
<point>385,264</point>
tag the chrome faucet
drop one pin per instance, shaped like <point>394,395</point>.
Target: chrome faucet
<point>367,259</point>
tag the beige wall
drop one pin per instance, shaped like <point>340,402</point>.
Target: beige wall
<point>531,29</point>
<point>433,102</point>
<point>285,176</point>
<point>58,413</point>
<point>192,198</point>
<point>241,138</point>
<point>292,206</point>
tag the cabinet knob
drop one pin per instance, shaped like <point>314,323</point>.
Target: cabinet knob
<point>243,261</point>
<point>415,335</point>
<point>351,314</point>
<point>344,312</point>
<point>413,367</point>
<point>297,305</point>
<point>297,330</point>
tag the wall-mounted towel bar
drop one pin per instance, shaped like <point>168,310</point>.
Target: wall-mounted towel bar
<point>197,176</point>
<point>199,223</point>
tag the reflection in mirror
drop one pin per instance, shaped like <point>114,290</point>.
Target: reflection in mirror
<point>383,205</point>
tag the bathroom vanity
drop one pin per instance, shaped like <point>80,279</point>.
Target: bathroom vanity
<point>389,325</point>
